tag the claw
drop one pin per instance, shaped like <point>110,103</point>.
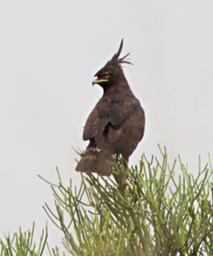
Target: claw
<point>129,185</point>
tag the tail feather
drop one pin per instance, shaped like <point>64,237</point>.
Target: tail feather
<point>98,161</point>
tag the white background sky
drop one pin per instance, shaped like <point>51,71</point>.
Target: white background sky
<point>49,52</point>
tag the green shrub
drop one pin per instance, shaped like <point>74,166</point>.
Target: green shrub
<point>161,215</point>
<point>165,211</point>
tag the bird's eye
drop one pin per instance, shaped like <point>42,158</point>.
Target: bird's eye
<point>106,75</point>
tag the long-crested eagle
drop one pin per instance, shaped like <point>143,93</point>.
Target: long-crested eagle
<point>116,124</point>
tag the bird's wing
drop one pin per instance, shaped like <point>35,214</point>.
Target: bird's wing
<point>126,128</point>
<point>121,108</point>
<point>107,118</point>
<point>97,120</point>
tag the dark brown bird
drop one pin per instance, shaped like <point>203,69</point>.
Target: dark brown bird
<point>116,124</point>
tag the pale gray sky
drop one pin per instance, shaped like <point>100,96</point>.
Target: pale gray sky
<point>49,52</point>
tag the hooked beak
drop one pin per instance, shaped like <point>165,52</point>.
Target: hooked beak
<point>96,80</point>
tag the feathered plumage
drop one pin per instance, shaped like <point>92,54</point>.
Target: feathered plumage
<point>116,124</point>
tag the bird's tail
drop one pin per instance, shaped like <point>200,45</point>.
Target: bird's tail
<point>96,160</point>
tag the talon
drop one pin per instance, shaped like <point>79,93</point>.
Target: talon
<point>129,185</point>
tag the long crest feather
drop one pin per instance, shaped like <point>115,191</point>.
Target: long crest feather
<point>124,60</point>
<point>120,48</point>
<point>121,60</point>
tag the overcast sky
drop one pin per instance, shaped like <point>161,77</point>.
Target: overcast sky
<point>49,52</point>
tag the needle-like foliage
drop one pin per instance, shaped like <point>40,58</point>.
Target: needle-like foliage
<point>165,211</point>
<point>23,244</point>
<point>162,214</point>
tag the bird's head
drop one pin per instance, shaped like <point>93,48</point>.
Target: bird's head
<point>112,71</point>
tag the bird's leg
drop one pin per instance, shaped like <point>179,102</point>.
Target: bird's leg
<point>124,181</point>
<point>124,166</point>
<point>121,177</point>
